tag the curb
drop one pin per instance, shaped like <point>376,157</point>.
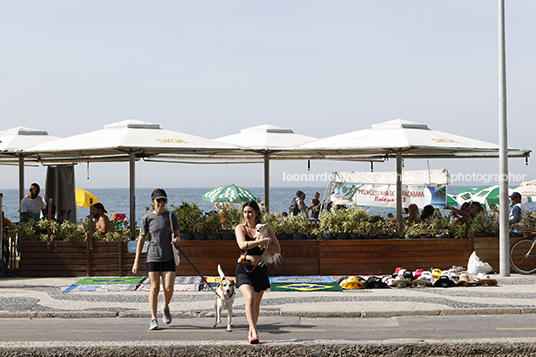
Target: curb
<point>194,314</point>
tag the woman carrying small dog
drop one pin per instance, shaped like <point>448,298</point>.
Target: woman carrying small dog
<point>252,271</point>
<point>156,225</point>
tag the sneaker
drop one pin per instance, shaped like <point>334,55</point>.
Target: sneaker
<point>167,315</point>
<point>154,324</point>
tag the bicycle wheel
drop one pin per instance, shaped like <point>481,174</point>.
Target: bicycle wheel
<point>522,257</point>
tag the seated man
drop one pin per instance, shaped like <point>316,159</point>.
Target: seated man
<point>102,222</point>
<point>32,205</point>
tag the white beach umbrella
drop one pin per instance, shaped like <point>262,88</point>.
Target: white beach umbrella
<point>129,139</point>
<point>267,140</point>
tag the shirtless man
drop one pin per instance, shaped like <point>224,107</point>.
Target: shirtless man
<point>102,222</point>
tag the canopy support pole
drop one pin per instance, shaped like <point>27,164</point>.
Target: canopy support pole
<point>132,169</point>
<point>266,182</point>
<point>504,235</point>
<point>21,180</point>
<point>399,192</point>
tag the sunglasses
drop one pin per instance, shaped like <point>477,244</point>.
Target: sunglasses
<point>160,200</point>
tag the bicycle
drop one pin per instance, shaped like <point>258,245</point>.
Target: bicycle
<point>523,255</point>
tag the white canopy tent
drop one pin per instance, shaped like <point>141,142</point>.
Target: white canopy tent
<point>405,139</point>
<point>14,141</point>
<point>126,140</point>
<point>267,140</point>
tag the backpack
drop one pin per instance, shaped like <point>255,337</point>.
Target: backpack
<point>294,209</point>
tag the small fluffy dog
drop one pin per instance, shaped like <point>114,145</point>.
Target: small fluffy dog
<point>225,295</point>
<point>270,258</point>
<point>262,232</point>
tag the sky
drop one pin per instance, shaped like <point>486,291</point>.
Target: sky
<point>212,68</point>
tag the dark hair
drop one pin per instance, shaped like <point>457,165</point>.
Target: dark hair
<point>158,193</point>
<point>477,205</point>
<point>284,214</point>
<point>413,204</point>
<point>465,203</point>
<point>299,193</point>
<point>427,212</point>
<point>36,185</point>
<point>99,205</point>
<point>256,208</point>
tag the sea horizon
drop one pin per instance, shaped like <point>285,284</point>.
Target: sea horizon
<point>116,200</point>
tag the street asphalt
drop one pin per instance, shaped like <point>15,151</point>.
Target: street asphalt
<point>43,298</point>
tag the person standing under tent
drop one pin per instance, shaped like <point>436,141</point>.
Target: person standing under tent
<point>156,227</point>
<point>516,213</point>
<point>315,206</point>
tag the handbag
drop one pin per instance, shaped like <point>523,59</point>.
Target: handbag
<point>174,246</point>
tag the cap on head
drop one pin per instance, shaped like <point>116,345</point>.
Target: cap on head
<point>515,195</point>
<point>99,205</point>
<point>158,193</point>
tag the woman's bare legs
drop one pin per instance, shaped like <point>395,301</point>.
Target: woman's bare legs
<point>168,280</point>
<point>252,308</point>
<point>154,278</point>
<point>258,298</point>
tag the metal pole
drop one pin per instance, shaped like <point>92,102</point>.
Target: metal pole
<point>21,181</point>
<point>3,253</point>
<point>267,182</point>
<point>504,235</point>
<point>399,192</point>
<point>132,167</point>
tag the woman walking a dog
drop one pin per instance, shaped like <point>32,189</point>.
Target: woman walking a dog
<point>156,225</point>
<point>252,271</point>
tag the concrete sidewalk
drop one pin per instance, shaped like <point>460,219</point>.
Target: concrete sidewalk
<point>43,297</point>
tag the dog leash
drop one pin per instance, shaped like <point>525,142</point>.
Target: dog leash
<point>193,266</point>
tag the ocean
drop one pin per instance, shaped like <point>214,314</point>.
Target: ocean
<point>117,200</point>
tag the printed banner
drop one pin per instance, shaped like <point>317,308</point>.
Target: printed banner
<point>385,195</point>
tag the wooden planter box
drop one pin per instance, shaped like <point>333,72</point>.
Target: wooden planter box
<point>306,257</point>
<point>382,256</point>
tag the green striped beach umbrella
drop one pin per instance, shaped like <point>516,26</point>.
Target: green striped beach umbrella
<point>230,193</point>
<point>451,200</point>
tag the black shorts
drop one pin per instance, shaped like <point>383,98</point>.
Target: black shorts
<point>257,278</point>
<point>161,266</point>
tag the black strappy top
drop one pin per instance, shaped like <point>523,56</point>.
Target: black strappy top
<point>252,251</point>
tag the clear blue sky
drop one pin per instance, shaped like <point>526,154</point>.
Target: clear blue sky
<point>210,68</point>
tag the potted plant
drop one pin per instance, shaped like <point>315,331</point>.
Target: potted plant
<point>413,230</point>
<point>529,223</point>
<point>480,225</point>
<point>328,224</point>
<point>296,226</point>
<point>384,229</point>
<point>440,227</point>
<point>230,218</point>
<point>458,230</point>
<point>189,216</point>
<point>212,225</point>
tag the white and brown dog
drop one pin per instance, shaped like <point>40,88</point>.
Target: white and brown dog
<point>225,295</point>
<point>262,232</point>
